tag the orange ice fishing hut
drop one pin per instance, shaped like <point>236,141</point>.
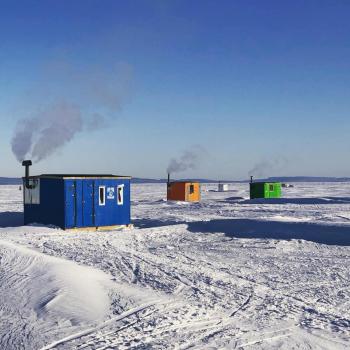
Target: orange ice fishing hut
<point>187,191</point>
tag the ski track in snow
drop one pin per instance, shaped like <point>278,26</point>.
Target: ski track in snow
<point>226,273</point>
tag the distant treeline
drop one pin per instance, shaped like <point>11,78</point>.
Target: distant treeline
<point>287,179</point>
<point>10,181</point>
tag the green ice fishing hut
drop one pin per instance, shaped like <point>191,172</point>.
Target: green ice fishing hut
<point>265,189</point>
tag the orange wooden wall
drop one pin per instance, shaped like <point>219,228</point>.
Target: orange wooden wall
<point>196,195</point>
<point>180,191</point>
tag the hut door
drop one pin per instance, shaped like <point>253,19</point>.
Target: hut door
<point>88,203</point>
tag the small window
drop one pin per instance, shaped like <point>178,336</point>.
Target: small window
<point>120,194</point>
<point>102,195</point>
<point>271,188</point>
<point>191,189</point>
<point>32,195</point>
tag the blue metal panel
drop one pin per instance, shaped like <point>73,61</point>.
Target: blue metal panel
<point>79,198</point>
<point>79,203</point>
<point>103,213</point>
<point>112,213</point>
<point>70,204</point>
<point>88,203</point>
<point>123,214</point>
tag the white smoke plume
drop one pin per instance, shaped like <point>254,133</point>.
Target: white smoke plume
<point>267,168</point>
<point>92,101</point>
<point>96,122</point>
<point>47,131</point>
<point>189,159</point>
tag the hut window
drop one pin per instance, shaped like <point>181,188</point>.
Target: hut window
<point>191,189</point>
<point>120,194</point>
<point>102,195</point>
<point>32,195</point>
<point>271,188</point>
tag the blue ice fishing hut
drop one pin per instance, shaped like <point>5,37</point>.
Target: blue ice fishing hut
<point>76,201</point>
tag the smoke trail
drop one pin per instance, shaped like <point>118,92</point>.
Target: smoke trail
<point>23,138</point>
<point>93,99</point>
<point>96,122</point>
<point>55,126</point>
<point>189,159</point>
<point>266,167</point>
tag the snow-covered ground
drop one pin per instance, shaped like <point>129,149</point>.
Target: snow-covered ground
<point>226,273</point>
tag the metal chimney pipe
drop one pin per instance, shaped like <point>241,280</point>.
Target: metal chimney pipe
<point>27,164</point>
<point>251,179</point>
<point>168,179</point>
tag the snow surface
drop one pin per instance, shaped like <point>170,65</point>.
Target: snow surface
<point>226,273</point>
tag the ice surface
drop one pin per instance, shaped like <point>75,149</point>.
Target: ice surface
<point>226,273</point>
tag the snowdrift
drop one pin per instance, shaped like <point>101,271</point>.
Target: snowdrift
<point>48,291</point>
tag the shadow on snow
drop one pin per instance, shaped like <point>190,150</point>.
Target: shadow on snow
<point>320,200</point>
<point>247,228</point>
<point>238,228</point>
<point>149,223</point>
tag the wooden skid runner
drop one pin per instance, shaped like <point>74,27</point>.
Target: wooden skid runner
<point>102,228</point>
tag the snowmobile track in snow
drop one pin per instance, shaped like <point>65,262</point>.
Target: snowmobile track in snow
<point>133,313</point>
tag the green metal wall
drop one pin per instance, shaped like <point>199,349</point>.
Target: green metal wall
<point>265,190</point>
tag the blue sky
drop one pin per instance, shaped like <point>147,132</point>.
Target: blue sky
<point>253,82</point>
